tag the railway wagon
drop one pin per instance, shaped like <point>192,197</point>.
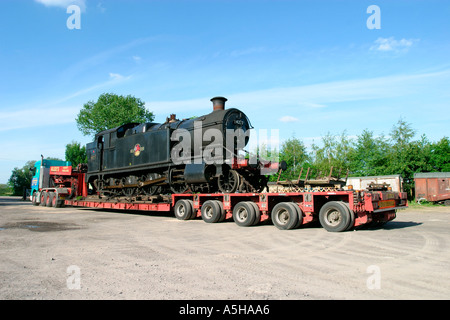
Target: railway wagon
<point>432,186</point>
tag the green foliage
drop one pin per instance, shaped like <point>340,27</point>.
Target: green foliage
<point>294,152</point>
<point>337,152</point>
<point>368,155</point>
<point>440,155</point>
<point>5,190</point>
<point>75,153</point>
<point>111,111</point>
<point>21,178</point>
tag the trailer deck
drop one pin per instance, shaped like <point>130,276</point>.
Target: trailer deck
<point>336,211</point>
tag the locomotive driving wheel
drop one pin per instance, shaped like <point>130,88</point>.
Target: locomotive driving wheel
<point>228,182</point>
<point>176,181</point>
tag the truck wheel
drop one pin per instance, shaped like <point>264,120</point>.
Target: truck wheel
<point>183,210</point>
<point>284,216</point>
<point>334,216</point>
<point>48,202</point>
<point>34,199</point>
<point>51,200</point>
<point>44,196</point>
<point>211,211</point>
<point>244,214</point>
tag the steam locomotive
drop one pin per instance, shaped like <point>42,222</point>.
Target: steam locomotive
<point>203,154</point>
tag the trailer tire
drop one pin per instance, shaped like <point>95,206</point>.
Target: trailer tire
<point>183,210</point>
<point>244,214</point>
<point>223,214</point>
<point>194,212</point>
<point>257,213</point>
<point>299,213</point>
<point>211,211</point>
<point>351,221</point>
<point>284,216</point>
<point>334,216</point>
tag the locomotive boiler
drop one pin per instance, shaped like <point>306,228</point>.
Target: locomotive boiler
<point>203,154</point>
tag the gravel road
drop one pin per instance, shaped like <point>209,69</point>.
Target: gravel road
<point>73,253</point>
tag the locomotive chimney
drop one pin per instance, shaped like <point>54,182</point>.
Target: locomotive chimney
<point>219,103</point>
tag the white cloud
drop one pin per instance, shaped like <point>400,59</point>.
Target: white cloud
<point>293,99</point>
<point>63,3</point>
<point>38,116</point>
<point>288,119</point>
<point>390,44</point>
<point>116,76</point>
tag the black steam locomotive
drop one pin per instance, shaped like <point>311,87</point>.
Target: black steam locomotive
<point>203,154</point>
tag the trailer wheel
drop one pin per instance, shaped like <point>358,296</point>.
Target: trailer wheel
<point>183,210</point>
<point>351,221</point>
<point>211,211</point>
<point>284,216</point>
<point>334,216</point>
<point>257,213</point>
<point>194,212</point>
<point>244,214</point>
<point>299,213</point>
<point>223,214</point>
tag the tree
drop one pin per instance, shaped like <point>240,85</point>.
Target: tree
<point>21,178</point>
<point>369,157</point>
<point>111,111</point>
<point>5,190</point>
<point>294,152</point>
<point>440,155</point>
<point>336,152</point>
<point>75,153</point>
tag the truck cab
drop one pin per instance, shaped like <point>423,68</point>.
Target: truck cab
<point>41,178</point>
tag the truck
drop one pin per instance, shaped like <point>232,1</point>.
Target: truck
<point>334,207</point>
<point>54,181</point>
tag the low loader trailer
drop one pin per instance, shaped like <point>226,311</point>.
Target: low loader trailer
<point>336,210</point>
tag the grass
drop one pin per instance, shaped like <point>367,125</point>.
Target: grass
<point>423,204</point>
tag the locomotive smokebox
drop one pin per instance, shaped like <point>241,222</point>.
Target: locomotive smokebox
<point>219,103</point>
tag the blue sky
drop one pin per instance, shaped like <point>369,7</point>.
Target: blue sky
<point>305,68</point>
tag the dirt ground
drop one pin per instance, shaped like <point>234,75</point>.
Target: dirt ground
<point>74,253</point>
